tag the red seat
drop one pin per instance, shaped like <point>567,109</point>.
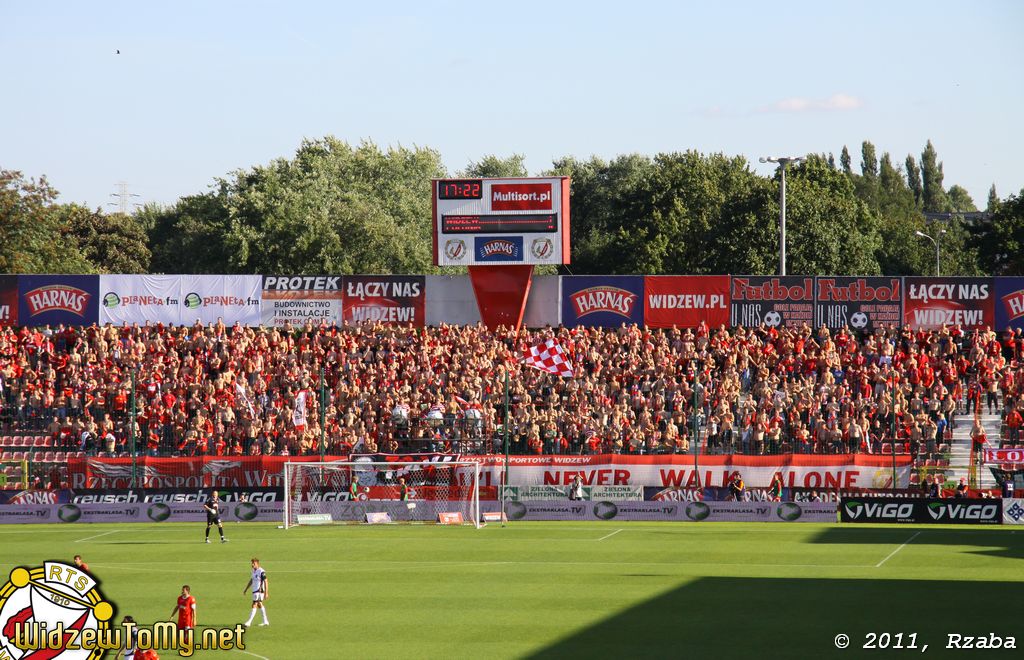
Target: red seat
<point>930,463</point>
<point>48,457</point>
<point>886,447</point>
<point>42,441</point>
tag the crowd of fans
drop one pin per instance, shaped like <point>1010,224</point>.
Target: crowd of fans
<point>234,390</point>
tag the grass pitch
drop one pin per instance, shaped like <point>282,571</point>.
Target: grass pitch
<point>559,590</point>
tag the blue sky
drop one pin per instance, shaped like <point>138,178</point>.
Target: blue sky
<point>203,88</point>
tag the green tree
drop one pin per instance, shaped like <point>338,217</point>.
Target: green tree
<point>960,200</point>
<point>914,179</point>
<point>868,161</point>
<point>993,199</point>
<point>1003,244</point>
<point>189,237</point>
<point>933,195</point>
<point>33,238</point>
<point>845,163</point>
<point>491,166</point>
<point>113,243</point>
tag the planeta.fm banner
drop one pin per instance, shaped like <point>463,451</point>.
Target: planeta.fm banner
<point>775,302</point>
<point>861,303</point>
<point>931,302</point>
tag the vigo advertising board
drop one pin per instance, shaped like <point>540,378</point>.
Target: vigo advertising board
<point>772,301</point>
<point>602,300</point>
<point>301,299</point>
<point>686,301</point>
<point>921,510</point>
<point>860,303</point>
<point>56,299</point>
<point>931,302</point>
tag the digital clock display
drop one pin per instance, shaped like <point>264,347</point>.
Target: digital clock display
<point>460,189</point>
<point>500,224</point>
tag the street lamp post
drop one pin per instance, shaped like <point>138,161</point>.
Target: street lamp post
<point>783,162</point>
<point>936,242</point>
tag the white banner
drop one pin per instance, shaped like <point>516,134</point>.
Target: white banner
<point>140,298</point>
<point>298,299</point>
<point>675,511</point>
<point>231,298</point>
<point>840,471</point>
<point>1013,511</point>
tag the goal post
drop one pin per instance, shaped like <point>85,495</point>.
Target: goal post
<point>397,492</point>
<point>14,471</point>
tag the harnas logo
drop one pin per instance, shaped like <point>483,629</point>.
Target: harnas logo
<point>57,297</point>
<point>604,299</point>
<point>499,249</point>
<point>60,597</point>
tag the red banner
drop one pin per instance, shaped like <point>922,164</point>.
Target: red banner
<point>200,472</point>
<point>686,300</point>
<point>1004,456</point>
<point>384,298</point>
<point>931,302</point>
<point>8,300</point>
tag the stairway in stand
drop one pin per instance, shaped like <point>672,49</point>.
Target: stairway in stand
<point>960,459</point>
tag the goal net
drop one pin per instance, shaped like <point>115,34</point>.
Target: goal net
<point>365,491</point>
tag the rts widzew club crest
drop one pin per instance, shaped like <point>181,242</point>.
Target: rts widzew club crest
<point>47,599</point>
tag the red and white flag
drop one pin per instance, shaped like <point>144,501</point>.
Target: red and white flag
<point>548,357</point>
<point>299,413</point>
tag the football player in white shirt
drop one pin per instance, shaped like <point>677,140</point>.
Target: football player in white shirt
<point>258,583</point>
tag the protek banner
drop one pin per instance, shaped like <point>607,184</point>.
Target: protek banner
<point>385,299</point>
<point>860,303</point>
<point>686,301</point>
<point>8,300</point>
<point>140,299</point>
<point>931,302</point>
<point>301,299</point>
<point>602,300</point>
<point>772,301</point>
<point>228,298</point>
<point>58,299</point>
<point>921,510</point>
<point>1009,302</point>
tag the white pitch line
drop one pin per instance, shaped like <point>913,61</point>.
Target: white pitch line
<point>879,564</point>
<point>608,536</point>
<point>87,538</point>
<point>262,657</point>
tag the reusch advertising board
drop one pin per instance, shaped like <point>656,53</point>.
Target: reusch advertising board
<point>54,299</point>
<point>931,302</point>
<point>301,299</point>
<point>859,303</point>
<point>602,300</point>
<point>385,298</point>
<point>8,300</point>
<point>772,301</point>
<point>686,300</point>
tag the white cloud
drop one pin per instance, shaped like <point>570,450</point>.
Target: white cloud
<point>802,104</point>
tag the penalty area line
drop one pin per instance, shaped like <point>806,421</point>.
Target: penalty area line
<point>262,657</point>
<point>608,536</point>
<point>890,555</point>
<point>89,538</point>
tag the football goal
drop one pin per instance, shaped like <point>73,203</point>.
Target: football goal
<point>381,492</point>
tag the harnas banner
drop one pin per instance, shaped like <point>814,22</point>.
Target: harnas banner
<point>602,300</point>
<point>54,299</point>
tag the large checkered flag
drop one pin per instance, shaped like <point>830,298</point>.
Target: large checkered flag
<point>548,357</point>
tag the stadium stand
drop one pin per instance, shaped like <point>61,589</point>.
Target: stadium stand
<point>215,390</point>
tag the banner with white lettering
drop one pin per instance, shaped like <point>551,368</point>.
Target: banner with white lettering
<point>931,302</point>
<point>824,472</point>
<point>301,299</point>
<point>602,300</point>
<point>8,300</point>
<point>140,298</point>
<point>56,299</point>
<point>859,303</point>
<point>1009,302</point>
<point>772,301</point>
<point>231,298</point>
<point>130,513</point>
<point>385,299</point>
<point>686,301</point>
<point>676,511</point>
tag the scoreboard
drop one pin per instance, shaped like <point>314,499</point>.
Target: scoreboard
<point>501,221</point>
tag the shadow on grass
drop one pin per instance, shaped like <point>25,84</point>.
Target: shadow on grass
<point>718,617</point>
<point>997,541</point>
